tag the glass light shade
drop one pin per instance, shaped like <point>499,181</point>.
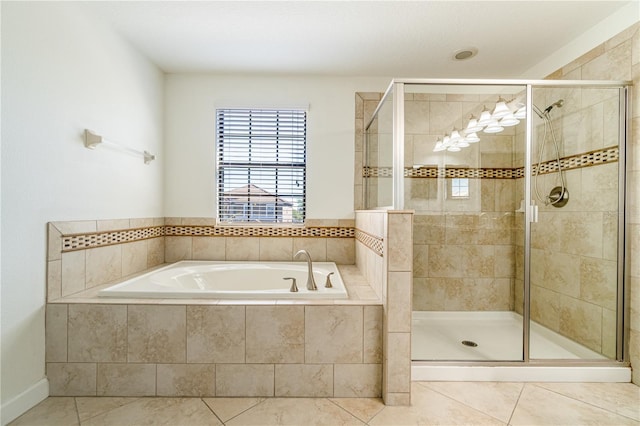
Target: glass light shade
<point>509,120</point>
<point>439,146</point>
<point>462,143</point>
<point>453,148</point>
<point>455,136</point>
<point>521,113</point>
<point>501,109</point>
<point>485,117</point>
<point>472,126</point>
<point>446,141</point>
<point>493,127</point>
<point>472,138</point>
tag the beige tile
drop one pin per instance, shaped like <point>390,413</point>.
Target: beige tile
<point>372,334</point>
<point>429,408</point>
<point>599,282</point>
<point>362,408</point>
<point>333,334</point>
<point>75,227</point>
<point>199,221</point>
<point>317,247</point>
<point>215,334</point>
<point>228,408</point>
<point>92,406</point>
<point>275,334</point>
<point>399,244</point>
<point>156,334</point>
<point>186,379</point>
<point>155,251</point>
<point>304,380</point>
<point>73,272</point>
<point>398,362</point>
<point>141,222</point>
<point>420,260</point>
<point>104,264</point>
<point>619,398</point>
<point>112,225</point>
<point>177,248</point>
<point>299,411</point>
<point>56,333</point>
<point>242,248</point>
<point>126,379</point>
<point>134,257</point>
<point>209,248</point>
<point>614,64</point>
<point>581,321</point>
<point>397,398</point>
<point>560,410</point>
<point>341,250</point>
<point>50,412</point>
<point>97,333</point>
<point>357,380</point>
<point>276,249</point>
<point>244,380</point>
<point>54,243</point>
<point>496,399</point>
<point>54,280</point>
<point>158,411</point>
<point>399,301</point>
<point>545,307</point>
<point>71,379</point>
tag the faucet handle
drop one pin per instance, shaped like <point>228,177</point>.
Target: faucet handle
<point>328,284</point>
<point>294,287</point>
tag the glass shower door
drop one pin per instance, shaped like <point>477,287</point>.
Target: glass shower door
<point>575,269</point>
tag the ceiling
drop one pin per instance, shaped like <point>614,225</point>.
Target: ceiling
<point>352,38</point>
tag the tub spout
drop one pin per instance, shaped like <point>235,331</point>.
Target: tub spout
<point>311,283</point>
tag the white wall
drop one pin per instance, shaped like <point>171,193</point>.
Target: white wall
<point>191,101</point>
<point>63,71</point>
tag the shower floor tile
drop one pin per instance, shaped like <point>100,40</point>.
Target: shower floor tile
<point>498,336</point>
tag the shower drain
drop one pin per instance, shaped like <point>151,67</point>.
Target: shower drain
<point>469,343</point>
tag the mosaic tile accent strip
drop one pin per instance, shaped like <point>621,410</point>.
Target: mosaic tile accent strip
<point>100,239</point>
<point>376,244</point>
<point>588,159</point>
<point>251,231</point>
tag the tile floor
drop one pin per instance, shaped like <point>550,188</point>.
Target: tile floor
<point>433,403</point>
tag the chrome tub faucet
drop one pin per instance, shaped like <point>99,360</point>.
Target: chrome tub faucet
<point>311,283</point>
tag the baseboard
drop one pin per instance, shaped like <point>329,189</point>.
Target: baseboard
<point>28,399</point>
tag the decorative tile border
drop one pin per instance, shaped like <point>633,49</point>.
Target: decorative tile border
<point>588,159</point>
<point>376,244</point>
<point>100,239</point>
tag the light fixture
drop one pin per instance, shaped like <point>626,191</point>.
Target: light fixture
<point>455,136</point>
<point>472,138</point>
<point>473,125</point>
<point>493,127</point>
<point>453,148</point>
<point>485,117</point>
<point>439,146</point>
<point>501,109</point>
<point>509,120</point>
<point>462,143</point>
<point>467,53</point>
<point>521,113</point>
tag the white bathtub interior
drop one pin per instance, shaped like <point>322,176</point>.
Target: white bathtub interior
<point>232,280</point>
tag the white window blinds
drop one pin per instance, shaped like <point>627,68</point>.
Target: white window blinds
<point>261,165</point>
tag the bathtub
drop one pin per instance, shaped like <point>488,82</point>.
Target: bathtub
<point>231,280</point>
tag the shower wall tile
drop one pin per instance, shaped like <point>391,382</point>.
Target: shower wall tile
<point>97,333</point>
<point>545,307</point>
<point>330,333</point>
<point>177,248</point>
<point>156,334</point>
<point>582,321</point>
<point>414,117</point>
<point>304,380</point>
<point>341,251</point>
<point>134,257</point>
<point>598,281</point>
<point>275,334</point>
<point>247,380</point>
<point>126,380</point>
<point>317,247</point>
<point>609,325</point>
<point>357,381</point>
<point>420,260</point>
<point>239,248</point>
<point>215,334</point>
<point>613,64</point>
<point>196,380</point>
<point>443,117</point>
<point>208,248</point>
<point>155,252</point>
<point>71,379</point>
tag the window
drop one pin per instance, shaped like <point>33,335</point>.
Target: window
<point>261,165</point>
<point>459,188</point>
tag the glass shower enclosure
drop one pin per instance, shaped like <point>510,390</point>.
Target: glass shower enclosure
<point>518,189</point>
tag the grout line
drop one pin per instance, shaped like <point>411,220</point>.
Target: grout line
<point>75,404</point>
<point>516,404</point>
<point>211,409</point>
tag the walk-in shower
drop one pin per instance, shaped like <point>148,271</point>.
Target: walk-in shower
<point>519,236</point>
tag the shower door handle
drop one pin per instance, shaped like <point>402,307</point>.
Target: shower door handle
<point>534,213</point>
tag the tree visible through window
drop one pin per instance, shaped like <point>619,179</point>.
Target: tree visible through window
<point>261,165</point>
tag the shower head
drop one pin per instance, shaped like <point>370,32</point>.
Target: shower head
<point>557,103</point>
